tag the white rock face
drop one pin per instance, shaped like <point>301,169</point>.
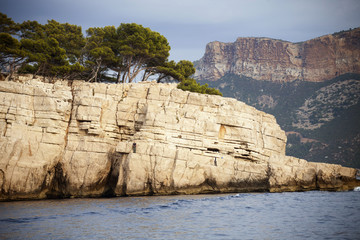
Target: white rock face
<point>33,122</point>
<point>61,141</point>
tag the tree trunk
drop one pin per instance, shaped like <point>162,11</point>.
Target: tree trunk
<point>137,68</point>
<point>161,77</point>
<point>9,77</point>
<point>147,74</point>
<point>95,73</point>
<point>41,66</point>
<point>118,76</point>
<point>123,77</point>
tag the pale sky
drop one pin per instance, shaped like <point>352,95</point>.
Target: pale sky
<point>190,24</point>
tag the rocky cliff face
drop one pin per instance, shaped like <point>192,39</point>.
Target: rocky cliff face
<point>78,141</point>
<point>267,59</point>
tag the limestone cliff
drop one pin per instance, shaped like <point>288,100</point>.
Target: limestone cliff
<point>268,59</point>
<point>77,141</point>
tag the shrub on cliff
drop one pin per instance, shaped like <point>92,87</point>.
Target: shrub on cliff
<point>192,86</point>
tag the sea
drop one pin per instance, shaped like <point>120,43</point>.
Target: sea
<point>289,215</point>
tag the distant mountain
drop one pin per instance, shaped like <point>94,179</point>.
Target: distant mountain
<point>315,60</point>
<point>316,102</point>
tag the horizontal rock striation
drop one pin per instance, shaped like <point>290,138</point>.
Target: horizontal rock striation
<point>315,60</point>
<point>78,141</point>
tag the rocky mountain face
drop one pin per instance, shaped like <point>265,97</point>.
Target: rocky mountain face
<point>315,60</point>
<point>92,140</point>
<point>312,88</point>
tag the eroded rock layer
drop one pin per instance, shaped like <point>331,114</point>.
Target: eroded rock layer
<point>92,140</point>
<point>315,60</point>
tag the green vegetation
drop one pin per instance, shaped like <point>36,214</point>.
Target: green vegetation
<point>296,148</point>
<point>192,86</point>
<point>124,54</point>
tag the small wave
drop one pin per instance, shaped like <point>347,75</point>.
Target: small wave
<point>184,201</point>
<point>357,189</point>
<point>91,213</point>
<point>221,235</point>
<point>147,209</point>
<point>164,206</point>
<point>20,220</point>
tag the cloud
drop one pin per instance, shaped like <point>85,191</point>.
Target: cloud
<point>190,24</point>
<point>185,11</point>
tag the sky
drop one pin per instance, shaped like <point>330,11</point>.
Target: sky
<point>189,25</point>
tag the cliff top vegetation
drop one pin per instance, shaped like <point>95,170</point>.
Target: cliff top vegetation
<point>127,53</point>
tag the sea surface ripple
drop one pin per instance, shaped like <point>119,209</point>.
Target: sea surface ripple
<point>299,215</point>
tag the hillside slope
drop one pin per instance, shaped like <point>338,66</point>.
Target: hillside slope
<point>321,118</point>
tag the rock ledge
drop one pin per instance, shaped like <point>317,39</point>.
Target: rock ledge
<point>78,141</point>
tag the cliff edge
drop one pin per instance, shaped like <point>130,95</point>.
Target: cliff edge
<point>315,60</point>
<point>95,139</point>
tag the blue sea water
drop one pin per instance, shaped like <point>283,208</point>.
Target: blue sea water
<point>298,215</point>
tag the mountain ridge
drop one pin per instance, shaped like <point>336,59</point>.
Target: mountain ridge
<point>262,58</point>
